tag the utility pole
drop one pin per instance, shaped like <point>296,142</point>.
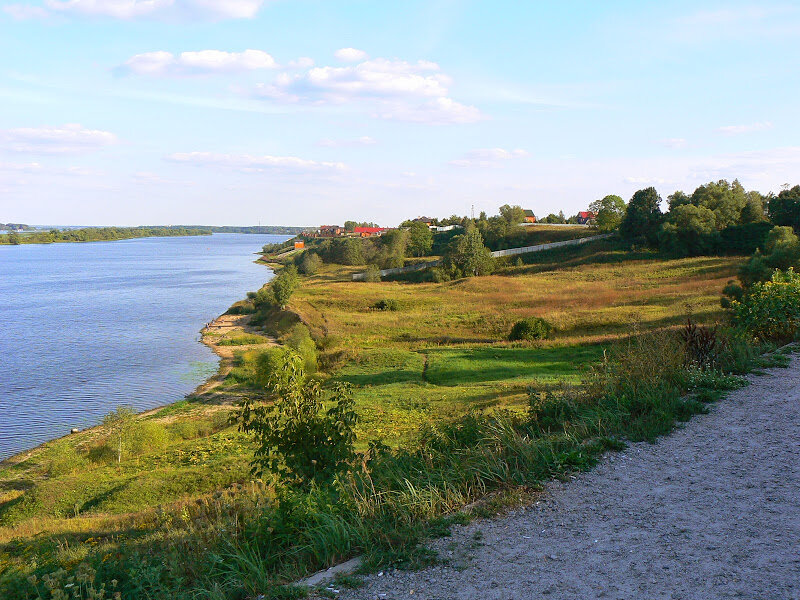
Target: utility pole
<point>473,212</point>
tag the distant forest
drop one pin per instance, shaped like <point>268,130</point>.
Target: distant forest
<point>97,234</point>
<point>262,229</point>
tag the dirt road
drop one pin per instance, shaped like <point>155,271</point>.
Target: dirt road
<point>711,511</point>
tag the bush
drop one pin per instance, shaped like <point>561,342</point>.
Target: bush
<point>771,310</point>
<point>299,340</point>
<point>387,304</point>
<point>311,263</point>
<point>66,460</point>
<point>533,328</point>
<point>148,437</point>
<point>242,307</point>
<point>372,274</point>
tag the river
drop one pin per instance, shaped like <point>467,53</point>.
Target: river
<point>86,327</point>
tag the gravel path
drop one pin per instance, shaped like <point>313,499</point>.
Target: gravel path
<point>711,511</point>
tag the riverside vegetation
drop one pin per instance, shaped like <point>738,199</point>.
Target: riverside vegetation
<point>418,404</point>
<point>96,234</point>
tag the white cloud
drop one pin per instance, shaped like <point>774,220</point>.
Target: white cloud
<point>21,167</point>
<point>168,9</point>
<point>673,142</point>
<point>749,128</point>
<point>304,62</point>
<point>364,140</point>
<point>196,63</point>
<point>68,138</point>
<point>350,54</point>
<point>247,162</point>
<point>22,12</point>
<point>395,89</point>
<point>488,157</point>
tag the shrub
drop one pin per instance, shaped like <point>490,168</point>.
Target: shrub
<point>700,344</point>
<point>771,310</point>
<point>372,274</point>
<point>242,307</point>
<point>147,437</point>
<point>296,437</point>
<point>242,339</point>
<point>533,328</point>
<point>311,263</point>
<point>299,340</point>
<point>65,460</point>
<point>387,304</point>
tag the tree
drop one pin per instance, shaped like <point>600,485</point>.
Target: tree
<point>781,251</point>
<point>754,209</point>
<point>784,209</point>
<point>689,231</point>
<point>467,256</point>
<point>120,424</point>
<point>727,200</point>
<point>610,211</point>
<point>421,239</point>
<point>514,215</point>
<point>643,218</point>
<point>13,238</point>
<point>311,263</point>
<point>296,437</point>
<point>284,285</point>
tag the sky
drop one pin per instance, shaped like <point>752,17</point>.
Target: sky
<point>304,112</point>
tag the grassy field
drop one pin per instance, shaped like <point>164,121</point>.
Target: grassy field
<point>440,355</point>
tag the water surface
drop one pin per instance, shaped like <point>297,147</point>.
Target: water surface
<point>87,327</point>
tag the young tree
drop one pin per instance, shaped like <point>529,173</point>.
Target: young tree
<point>284,285</point>
<point>514,215</point>
<point>467,256</point>
<point>296,437</point>
<point>420,239</point>
<point>311,263</point>
<point>120,425</point>
<point>643,218</point>
<point>610,211</point>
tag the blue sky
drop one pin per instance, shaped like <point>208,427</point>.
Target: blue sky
<point>305,112</point>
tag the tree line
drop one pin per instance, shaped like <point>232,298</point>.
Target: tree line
<point>97,234</point>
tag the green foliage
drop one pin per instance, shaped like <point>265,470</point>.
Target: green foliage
<point>467,256</point>
<point>372,274</point>
<point>299,339</point>
<point>66,460</point>
<point>530,329</point>
<point>284,285</point>
<point>726,201</point>
<point>387,304</point>
<point>119,424</point>
<point>351,225</point>
<point>781,251</point>
<point>513,215</point>
<point>311,263</point>
<point>296,437</point>
<point>771,310</point>
<point>689,231</point>
<point>420,239</point>
<point>610,211</point>
<point>242,307</point>
<point>643,218</point>
<point>784,209</point>
<point>242,339</point>
<point>147,437</point>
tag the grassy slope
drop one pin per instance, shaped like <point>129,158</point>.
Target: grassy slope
<point>441,355</point>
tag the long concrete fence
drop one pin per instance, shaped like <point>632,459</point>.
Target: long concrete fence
<point>495,254</point>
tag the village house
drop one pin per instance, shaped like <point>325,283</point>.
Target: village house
<point>330,231</point>
<point>586,216</point>
<point>427,220</point>
<point>369,231</point>
<point>530,217</point>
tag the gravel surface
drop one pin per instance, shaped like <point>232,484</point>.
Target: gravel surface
<point>711,511</point>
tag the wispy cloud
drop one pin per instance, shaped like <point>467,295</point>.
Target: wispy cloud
<point>251,163</point>
<point>364,140</point>
<point>749,128</point>
<point>202,62</point>
<point>488,157</point>
<point>673,142</point>
<point>69,138</point>
<point>141,9</point>
<point>393,89</point>
<point>350,54</point>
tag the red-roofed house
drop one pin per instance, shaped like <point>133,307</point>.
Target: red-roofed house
<point>369,231</point>
<point>585,216</point>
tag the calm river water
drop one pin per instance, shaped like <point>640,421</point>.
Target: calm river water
<point>87,327</point>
